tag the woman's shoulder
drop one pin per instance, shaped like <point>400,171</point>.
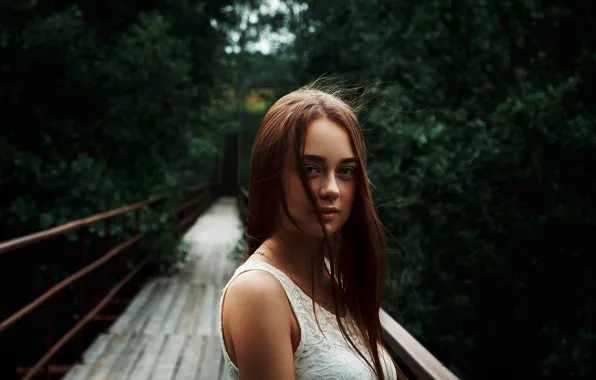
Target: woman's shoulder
<point>256,319</point>
<point>255,284</point>
<point>256,270</point>
<point>255,290</point>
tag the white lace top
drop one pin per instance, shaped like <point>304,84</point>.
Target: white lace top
<point>318,356</point>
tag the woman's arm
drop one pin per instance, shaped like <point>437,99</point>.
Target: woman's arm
<point>257,319</point>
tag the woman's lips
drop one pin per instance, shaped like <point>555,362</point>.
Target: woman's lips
<point>329,216</point>
<point>329,213</point>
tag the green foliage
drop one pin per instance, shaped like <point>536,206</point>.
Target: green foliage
<point>102,109</point>
<point>481,137</point>
<point>163,248</point>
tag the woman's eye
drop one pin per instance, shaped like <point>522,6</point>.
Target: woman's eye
<point>348,171</point>
<point>311,169</point>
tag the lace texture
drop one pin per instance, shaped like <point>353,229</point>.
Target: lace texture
<point>320,355</point>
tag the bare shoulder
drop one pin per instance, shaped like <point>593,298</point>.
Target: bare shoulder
<point>255,292</point>
<point>255,288</point>
<point>257,320</point>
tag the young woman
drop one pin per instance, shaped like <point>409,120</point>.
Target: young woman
<point>305,303</point>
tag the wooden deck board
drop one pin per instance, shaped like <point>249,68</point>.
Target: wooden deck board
<point>140,321</point>
<point>220,274</point>
<point>203,264</point>
<point>162,309</point>
<point>128,357</point>
<point>192,356</point>
<point>132,311</point>
<point>78,372</point>
<point>169,331</point>
<point>102,366</point>
<point>171,323</point>
<point>205,321</point>
<point>168,361</point>
<point>96,349</point>
<point>211,364</point>
<point>143,370</point>
<point>190,313</point>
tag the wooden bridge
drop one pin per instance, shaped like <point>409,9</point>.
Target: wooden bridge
<point>169,328</point>
<point>169,331</point>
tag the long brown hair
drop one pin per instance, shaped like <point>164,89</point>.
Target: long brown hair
<point>358,270</point>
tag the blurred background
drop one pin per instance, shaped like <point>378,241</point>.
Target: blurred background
<point>480,131</point>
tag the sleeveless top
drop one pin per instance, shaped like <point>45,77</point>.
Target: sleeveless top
<point>318,356</point>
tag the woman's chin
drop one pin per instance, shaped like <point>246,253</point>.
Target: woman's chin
<point>314,228</point>
<point>330,228</point>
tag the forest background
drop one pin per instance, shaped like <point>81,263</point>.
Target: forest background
<point>480,131</point>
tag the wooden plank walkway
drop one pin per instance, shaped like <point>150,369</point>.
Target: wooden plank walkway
<point>169,330</point>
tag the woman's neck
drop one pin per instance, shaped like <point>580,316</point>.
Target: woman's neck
<point>299,256</point>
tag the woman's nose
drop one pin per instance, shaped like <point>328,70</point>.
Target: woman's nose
<point>330,189</point>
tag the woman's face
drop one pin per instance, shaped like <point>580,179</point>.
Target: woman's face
<point>331,168</point>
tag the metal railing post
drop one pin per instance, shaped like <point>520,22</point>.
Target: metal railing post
<point>82,294</point>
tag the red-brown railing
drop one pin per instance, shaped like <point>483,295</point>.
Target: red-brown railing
<point>187,212</point>
<point>417,358</point>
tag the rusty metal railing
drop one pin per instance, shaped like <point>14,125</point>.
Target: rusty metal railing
<point>187,212</point>
<point>417,358</point>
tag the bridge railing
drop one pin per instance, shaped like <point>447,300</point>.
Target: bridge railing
<point>113,262</point>
<point>416,357</point>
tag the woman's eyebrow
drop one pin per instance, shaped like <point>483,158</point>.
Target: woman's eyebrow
<point>315,158</point>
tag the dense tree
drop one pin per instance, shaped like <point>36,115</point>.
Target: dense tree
<point>481,137</point>
<point>479,125</point>
<point>105,103</point>
<point>102,104</point>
